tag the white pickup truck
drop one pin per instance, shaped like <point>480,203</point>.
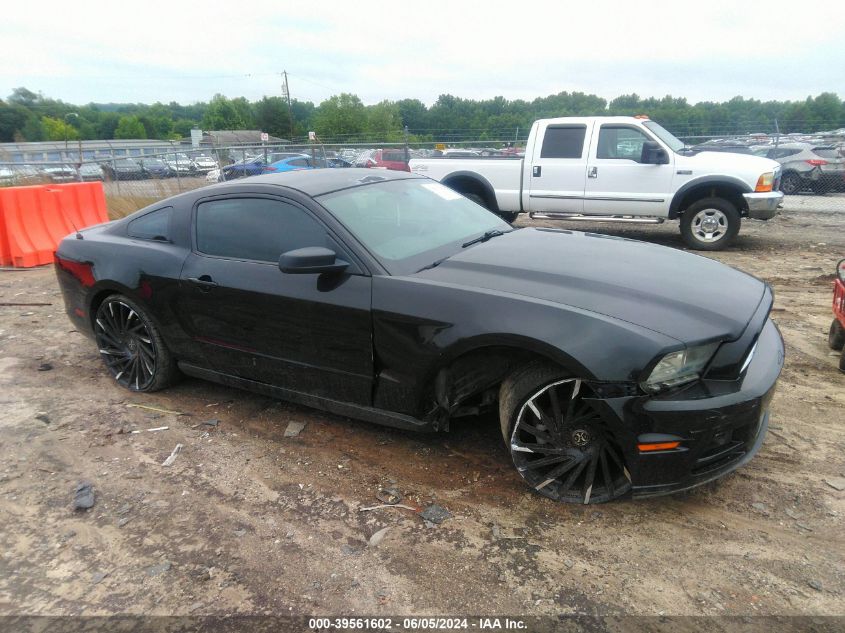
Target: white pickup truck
<point>618,169</point>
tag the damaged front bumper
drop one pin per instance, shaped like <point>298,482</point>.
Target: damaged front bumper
<point>721,424</point>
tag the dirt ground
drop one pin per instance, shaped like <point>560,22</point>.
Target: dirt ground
<point>247,520</point>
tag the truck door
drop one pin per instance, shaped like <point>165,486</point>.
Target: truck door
<point>558,167</point>
<point>618,181</point>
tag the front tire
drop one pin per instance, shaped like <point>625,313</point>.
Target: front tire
<point>131,346</point>
<point>836,336</point>
<point>710,224</point>
<point>558,440</point>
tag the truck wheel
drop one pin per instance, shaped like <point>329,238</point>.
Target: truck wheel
<point>836,336</point>
<point>710,224</point>
<point>842,360</point>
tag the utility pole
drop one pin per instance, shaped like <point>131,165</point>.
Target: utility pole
<point>286,95</point>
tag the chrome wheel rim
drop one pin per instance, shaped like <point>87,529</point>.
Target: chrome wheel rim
<point>125,344</point>
<point>709,225</point>
<point>563,448</point>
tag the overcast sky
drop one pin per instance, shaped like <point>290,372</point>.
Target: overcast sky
<point>187,51</point>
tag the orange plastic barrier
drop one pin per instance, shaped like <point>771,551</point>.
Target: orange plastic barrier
<point>33,220</point>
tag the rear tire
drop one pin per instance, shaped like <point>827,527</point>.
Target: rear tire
<point>508,216</point>
<point>836,336</point>
<point>559,442</point>
<point>131,346</point>
<point>790,184</point>
<point>842,360</point>
<point>710,224</point>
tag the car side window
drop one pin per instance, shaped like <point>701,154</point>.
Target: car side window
<point>152,226</point>
<point>563,141</point>
<point>621,143</point>
<point>299,162</point>
<point>257,229</point>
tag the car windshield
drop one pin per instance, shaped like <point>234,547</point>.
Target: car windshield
<point>410,224</point>
<point>665,135</point>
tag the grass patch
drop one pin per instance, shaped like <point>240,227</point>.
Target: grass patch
<point>121,206</point>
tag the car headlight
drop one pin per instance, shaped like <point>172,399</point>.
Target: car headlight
<point>677,368</point>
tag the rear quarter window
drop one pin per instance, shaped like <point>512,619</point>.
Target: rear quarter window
<point>152,226</point>
<point>563,142</point>
<point>826,152</point>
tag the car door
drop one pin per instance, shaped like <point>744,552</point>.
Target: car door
<point>310,333</point>
<point>618,181</point>
<point>558,167</point>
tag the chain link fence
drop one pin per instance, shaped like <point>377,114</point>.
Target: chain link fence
<point>134,177</point>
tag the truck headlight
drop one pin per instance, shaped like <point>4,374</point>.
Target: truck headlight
<point>677,368</point>
<point>765,182</point>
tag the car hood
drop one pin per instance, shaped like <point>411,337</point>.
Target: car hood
<point>726,160</point>
<point>684,296</point>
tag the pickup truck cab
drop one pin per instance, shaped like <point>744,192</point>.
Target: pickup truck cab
<point>618,169</point>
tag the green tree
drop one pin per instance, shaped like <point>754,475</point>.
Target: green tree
<point>183,127</point>
<point>12,119</point>
<point>271,115</point>
<point>384,122</point>
<point>130,127</point>
<point>227,114</point>
<point>413,114</point>
<point>58,129</point>
<point>341,115</point>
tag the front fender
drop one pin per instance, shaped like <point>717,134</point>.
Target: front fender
<point>420,326</point>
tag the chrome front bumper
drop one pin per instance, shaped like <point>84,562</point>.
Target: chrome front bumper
<point>763,206</point>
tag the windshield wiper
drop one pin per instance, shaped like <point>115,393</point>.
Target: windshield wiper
<point>483,238</point>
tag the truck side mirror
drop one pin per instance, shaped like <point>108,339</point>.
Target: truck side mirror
<point>653,154</point>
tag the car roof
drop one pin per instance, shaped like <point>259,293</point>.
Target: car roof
<point>315,182</point>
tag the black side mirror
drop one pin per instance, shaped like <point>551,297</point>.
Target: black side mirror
<point>653,154</point>
<point>313,259</point>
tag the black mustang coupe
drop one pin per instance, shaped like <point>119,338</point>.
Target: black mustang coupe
<point>618,368</point>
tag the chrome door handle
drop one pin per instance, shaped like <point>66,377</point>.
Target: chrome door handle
<point>593,172</point>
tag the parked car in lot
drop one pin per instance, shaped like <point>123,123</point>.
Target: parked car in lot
<point>204,164</point>
<point>90,172</point>
<point>289,163</point>
<point>336,162</point>
<point>60,173</point>
<point>836,336</point>
<point>123,169</point>
<point>255,165</point>
<point>391,298</point>
<point>618,169</point>
<point>180,165</point>
<point>27,175</point>
<point>155,168</point>
<point>7,177</point>
<point>383,159</point>
<point>807,167</point>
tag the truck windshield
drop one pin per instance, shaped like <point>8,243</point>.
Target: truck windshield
<point>411,224</point>
<point>665,135</point>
